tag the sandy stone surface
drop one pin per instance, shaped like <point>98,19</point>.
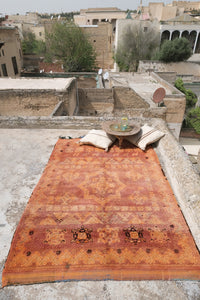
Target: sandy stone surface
<point>35,84</point>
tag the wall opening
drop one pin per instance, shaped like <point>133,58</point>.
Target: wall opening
<point>14,63</point>
<point>4,70</point>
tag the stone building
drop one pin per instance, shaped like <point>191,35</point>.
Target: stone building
<point>187,5</point>
<point>38,30</point>
<point>10,52</point>
<point>29,17</point>
<point>159,11</point>
<point>92,16</point>
<point>102,38</point>
<point>30,22</point>
<point>162,12</point>
<point>182,26</point>
<point>100,24</point>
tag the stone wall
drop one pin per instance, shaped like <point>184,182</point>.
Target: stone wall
<point>168,76</point>
<point>183,178</point>
<point>27,103</point>
<point>186,68</point>
<point>95,102</point>
<point>175,108</point>
<point>158,112</point>
<point>70,99</point>
<point>86,82</point>
<point>92,16</point>
<point>59,110</point>
<point>175,103</point>
<point>110,101</point>
<point>37,102</point>
<point>10,52</point>
<point>175,113</point>
<point>188,5</point>
<point>101,37</point>
<point>63,122</point>
<point>126,98</point>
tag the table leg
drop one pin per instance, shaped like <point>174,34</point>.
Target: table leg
<point>120,138</point>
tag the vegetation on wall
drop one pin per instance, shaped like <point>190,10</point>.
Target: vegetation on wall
<point>67,43</point>
<point>137,43</point>
<point>66,15</point>
<point>176,50</point>
<point>192,113</point>
<point>131,11</point>
<point>191,98</point>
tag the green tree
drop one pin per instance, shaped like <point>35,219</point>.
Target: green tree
<point>32,46</point>
<point>175,50</point>
<point>28,43</point>
<point>191,97</point>
<point>68,44</point>
<point>137,43</point>
<point>193,119</point>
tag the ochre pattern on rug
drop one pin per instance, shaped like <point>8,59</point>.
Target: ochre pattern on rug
<point>97,215</point>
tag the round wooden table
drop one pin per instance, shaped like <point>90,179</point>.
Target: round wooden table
<point>114,128</point>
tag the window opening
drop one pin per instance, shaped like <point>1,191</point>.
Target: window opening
<point>4,70</point>
<point>14,62</point>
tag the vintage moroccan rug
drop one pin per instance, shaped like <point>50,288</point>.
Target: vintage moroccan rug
<point>98,215</point>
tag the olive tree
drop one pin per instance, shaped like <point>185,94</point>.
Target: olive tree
<point>136,43</point>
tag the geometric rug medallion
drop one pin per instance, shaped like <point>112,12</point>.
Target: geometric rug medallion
<point>97,215</point>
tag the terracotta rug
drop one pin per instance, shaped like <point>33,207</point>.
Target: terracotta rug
<point>96,215</point>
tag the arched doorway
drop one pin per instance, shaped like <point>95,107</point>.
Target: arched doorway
<point>192,38</point>
<point>185,34</point>
<point>175,34</point>
<point>165,36</point>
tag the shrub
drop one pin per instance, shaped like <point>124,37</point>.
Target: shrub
<point>191,97</point>
<point>193,119</point>
<point>175,50</point>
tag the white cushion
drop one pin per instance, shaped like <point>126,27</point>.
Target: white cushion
<point>98,138</point>
<point>146,136</point>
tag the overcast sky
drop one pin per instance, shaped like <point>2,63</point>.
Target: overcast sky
<point>57,6</point>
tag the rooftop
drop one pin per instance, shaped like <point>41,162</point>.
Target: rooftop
<point>103,9</point>
<point>35,84</point>
<point>144,84</point>
<point>30,150</point>
<point>24,155</point>
<point>184,18</point>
